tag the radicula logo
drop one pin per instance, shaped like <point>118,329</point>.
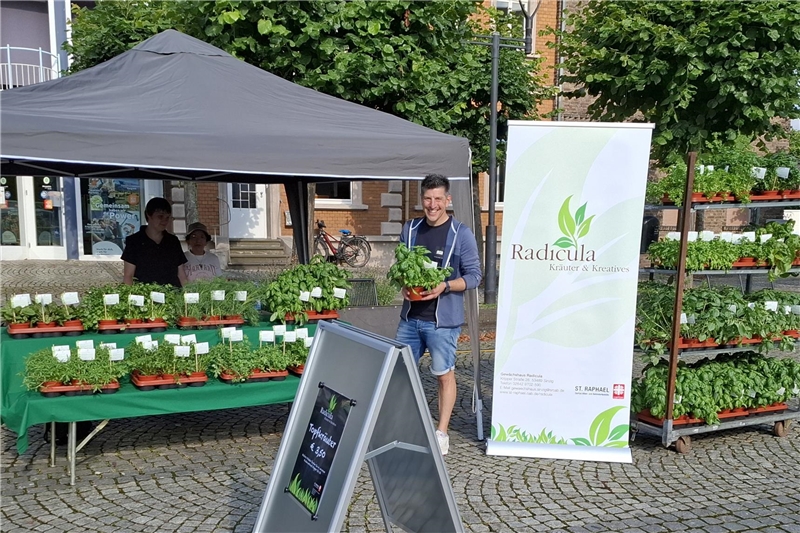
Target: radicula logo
<point>573,227</point>
<point>566,248</point>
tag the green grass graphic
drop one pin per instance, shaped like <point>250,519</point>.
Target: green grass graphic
<point>515,434</point>
<point>305,497</point>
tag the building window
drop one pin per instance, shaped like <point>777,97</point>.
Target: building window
<point>335,190</point>
<point>339,195</point>
<point>512,7</point>
<point>243,195</point>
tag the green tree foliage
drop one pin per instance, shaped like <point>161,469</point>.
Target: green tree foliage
<point>698,70</point>
<point>407,58</point>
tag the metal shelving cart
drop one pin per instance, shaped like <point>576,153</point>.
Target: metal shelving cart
<point>681,436</point>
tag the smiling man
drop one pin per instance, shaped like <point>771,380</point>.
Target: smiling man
<point>153,255</point>
<point>434,323</point>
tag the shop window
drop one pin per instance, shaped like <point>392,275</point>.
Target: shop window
<point>243,195</point>
<point>9,212</point>
<point>112,211</point>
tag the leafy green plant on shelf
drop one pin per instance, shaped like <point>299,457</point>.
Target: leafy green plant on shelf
<point>272,358</point>
<point>149,362</point>
<point>17,315</point>
<point>235,358</point>
<point>327,276</point>
<point>93,307</point>
<point>43,366</point>
<point>282,296</point>
<point>773,182</point>
<point>413,268</point>
<point>296,353</point>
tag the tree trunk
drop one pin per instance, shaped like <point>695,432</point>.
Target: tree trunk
<point>190,202</point>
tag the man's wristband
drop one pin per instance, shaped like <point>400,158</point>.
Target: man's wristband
<point>447,287</point>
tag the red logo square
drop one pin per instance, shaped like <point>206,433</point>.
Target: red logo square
<point>619,391</point>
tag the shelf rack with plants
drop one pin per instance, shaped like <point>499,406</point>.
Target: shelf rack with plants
<point>672,426</point>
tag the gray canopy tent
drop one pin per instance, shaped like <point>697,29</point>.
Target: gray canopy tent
<point>178,108</point>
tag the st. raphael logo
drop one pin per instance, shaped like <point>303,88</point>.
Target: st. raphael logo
<point>574,227</point>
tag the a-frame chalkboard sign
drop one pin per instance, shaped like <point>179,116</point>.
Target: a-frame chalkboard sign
<point>360,399</point>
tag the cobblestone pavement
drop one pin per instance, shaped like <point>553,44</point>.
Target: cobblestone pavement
<point>208,472</point>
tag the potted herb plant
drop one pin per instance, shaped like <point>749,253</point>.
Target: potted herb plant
<point>413,270</point>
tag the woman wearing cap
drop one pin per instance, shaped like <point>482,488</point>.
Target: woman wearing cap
<point>200,264</point>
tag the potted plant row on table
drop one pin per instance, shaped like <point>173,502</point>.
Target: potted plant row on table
<point>414,270</point>
<point>306,292</point>
<point>42,315</point>
<point>733,173</point>
<point>70,370</point>
<point>774,247</point>
<point>173,361</point>
<point>729,386</point>
<point>208,304</point>
<point>714,317</point>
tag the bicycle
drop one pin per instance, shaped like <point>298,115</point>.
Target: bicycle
<point>352,249</point>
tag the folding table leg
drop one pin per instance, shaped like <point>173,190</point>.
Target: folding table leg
<point>52,444</point>
<point>71,451</point>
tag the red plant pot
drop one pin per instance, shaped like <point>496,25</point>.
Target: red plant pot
<point>133,321</point>
<point>45,324</point>
<point>107,322</point>
<point>212,317</point>
<point>19,325</point>
<point>72,323</point>
<point>415,293</point>
<point>233,317</point>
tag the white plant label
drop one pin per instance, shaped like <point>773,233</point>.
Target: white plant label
<point>732,308</point>
<point>62,357</point>
<point>787,309</point>
<point>749,236</point>
<point>189,339</point>
<point>136,299</point>
<point>307,341</point>
<point>191,297</point>
<point>339,293</point>
<point>84,344</point>
<point>70,298</point>
<point>751,305</point>
<point>21,300</point>
<point>279,329</point>
<point>771,306</point>
<point>316,292</point>
<point>61,348</point>
<point>796,309</point>
<point>736,238</point>
<point>218,295</point>
<point>141,339</point>
<point>116,354</point>
<point>430,264</point>
<point>237,336</point>
<point>305,296</point>
<point>157,297</point>
<point>290,336</point>
<point>302,333</point>
<point>201,348</point>
<point>673,236</point>
<point>108,345</point>
<point>692,319</point>
<point>111,299</point>
<point>172,338</point>
<point>86,354</point>
<point>266,336</point>
<point>183,351</point>
<point>241,296</point>
<point>43,299</point>
<point>692,236</point>
<point>710,168</point>
<point>152,345</point>
<point>783,172</point>
<point>706,235</point>
<point>758,172</point>
<point>226,332</point>
<point>726,236</point>
<point>766,237</point>
<point>684,320</point>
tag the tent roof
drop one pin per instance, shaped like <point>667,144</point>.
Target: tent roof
<point>175,107</point>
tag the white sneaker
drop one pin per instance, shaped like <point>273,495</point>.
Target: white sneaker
<point>444,441</point>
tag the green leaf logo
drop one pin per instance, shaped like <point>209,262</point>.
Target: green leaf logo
<point>332,404</point>
<point>573,227</point>
<point>601,433</point>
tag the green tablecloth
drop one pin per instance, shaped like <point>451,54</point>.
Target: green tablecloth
<point>22,409</point>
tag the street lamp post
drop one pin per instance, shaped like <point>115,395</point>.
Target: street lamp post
<point>496,42</point>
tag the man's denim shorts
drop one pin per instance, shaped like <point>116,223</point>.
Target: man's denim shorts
<point>440,342</point>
